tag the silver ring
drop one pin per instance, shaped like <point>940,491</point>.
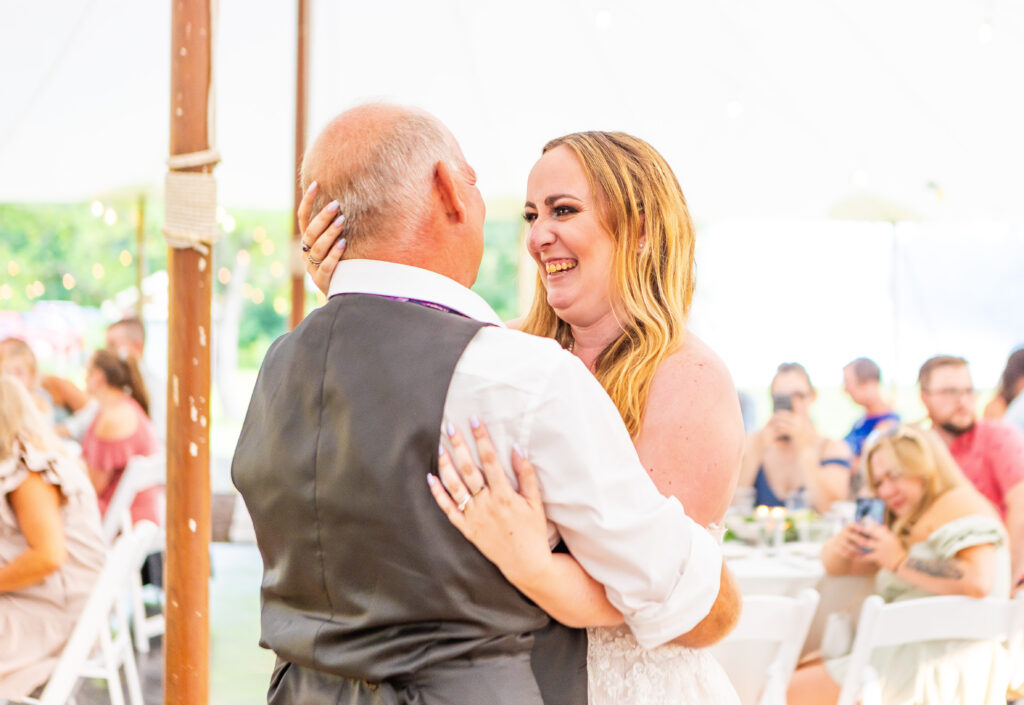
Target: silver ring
<point>315,263</point>
<point>466,500</point>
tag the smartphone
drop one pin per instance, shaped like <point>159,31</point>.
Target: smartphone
<point>782,402</point>
<point>869,508</point>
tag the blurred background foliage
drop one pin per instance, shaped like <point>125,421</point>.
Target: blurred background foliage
<point>88,254</point>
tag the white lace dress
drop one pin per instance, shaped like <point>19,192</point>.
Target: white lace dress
<point>621,672</point>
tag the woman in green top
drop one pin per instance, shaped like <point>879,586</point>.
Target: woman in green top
<point>941,537</point>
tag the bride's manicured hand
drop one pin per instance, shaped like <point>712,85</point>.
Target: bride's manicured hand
<point>321,246</point>
<point>508,527</point>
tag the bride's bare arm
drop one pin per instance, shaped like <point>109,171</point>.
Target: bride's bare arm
<point>510,528</point>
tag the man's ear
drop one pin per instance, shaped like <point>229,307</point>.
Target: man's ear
<point>446,183</point>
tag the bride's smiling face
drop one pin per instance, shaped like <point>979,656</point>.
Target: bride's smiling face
<point>567,239</point>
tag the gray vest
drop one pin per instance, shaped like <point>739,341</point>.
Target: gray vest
<point>369,595</point>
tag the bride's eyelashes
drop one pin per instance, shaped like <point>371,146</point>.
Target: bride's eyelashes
<point>559,211</point>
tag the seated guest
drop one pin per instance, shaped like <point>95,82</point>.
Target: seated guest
<point>940,537</point>
<point>120,431</point>
<point>127,338</point>
<point>788,458</point>
<point>1008,403</point>
<point>990,453</point>
<point>51,551</point>
<point>862,381</point>
<point>17,360</point>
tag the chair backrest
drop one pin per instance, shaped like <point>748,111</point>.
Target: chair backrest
<point>125,557</point>
<point>926,619</point>
<point>142,472</point>
<point>779,622</point>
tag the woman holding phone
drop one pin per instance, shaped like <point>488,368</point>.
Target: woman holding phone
<point>939,536</point>
<point>788,458</point>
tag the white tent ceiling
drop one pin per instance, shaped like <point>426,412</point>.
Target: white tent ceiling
<point>765,109</point>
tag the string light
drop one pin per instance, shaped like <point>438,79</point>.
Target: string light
<point>280,305</point>
<point>6,291</point>
<point>97,271</point>
<point>276,270</point>
<point>243,257</point>
<point>267,247</point>
<point>259,233</point>
<point>97,209</point>
<point>257,296</point>
<point>110,216</point>
<point>13,269</point>
<point>247,290</point>
<point>223,275</point>
<point>125,258</point>
<point>68,281</point>
<point>228,224</point>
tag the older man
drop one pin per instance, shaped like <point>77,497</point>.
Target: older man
<point>990,453</point>
<point>369,594</point>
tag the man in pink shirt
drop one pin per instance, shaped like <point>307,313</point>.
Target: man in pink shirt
<point>990,453</point>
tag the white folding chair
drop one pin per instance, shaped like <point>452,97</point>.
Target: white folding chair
<point>925,619</point>
<point>141,473</point>
<point>103,614</point>
<point>778,622</point>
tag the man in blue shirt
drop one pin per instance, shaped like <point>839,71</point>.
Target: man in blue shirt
<point>862,381</point>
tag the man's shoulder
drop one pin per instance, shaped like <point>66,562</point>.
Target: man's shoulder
<point>995,434</point>
<point>514,347</point>
<point>513,360</point>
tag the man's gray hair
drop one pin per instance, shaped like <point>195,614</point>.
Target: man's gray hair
<point>381,177</point>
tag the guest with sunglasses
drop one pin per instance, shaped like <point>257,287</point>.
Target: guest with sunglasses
<point>990,453</point>
<point>789,461</point>
<point>940,537</point>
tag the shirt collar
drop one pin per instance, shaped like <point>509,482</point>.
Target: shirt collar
<point>379,278</point>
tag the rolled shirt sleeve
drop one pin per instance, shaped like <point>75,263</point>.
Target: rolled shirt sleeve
<point>659,567</point>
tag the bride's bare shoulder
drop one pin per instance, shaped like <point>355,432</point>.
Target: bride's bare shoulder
<point>515,323</point>
<point>694,368</point>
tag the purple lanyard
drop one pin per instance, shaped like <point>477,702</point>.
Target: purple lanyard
<point>419,302</point>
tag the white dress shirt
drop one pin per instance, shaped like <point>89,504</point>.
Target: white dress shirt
<point>659,567</point>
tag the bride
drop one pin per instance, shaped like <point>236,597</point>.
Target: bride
<point>613,241</point>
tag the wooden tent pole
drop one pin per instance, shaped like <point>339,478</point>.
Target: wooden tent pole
<point>187,639</point>
<point>301,75</point>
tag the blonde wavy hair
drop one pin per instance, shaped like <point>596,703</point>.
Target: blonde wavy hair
<point>920,454</point>
<point>652,278</point>
<point>20,420</point>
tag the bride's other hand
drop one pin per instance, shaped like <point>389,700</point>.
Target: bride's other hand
<point>508,527</point>
<point>322,247</point>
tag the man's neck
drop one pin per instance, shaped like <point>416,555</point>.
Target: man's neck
<point>876,407</point>
<point>948,435</point>
<point>429,258</point>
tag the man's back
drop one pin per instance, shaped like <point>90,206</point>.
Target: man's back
<point>364,578</point>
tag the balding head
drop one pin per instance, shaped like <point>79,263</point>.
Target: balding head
<point>378,161</point>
